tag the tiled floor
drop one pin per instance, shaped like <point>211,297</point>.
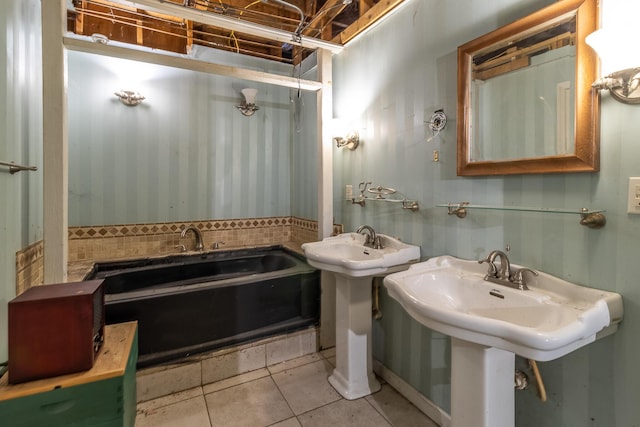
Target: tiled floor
<point>290,394</point>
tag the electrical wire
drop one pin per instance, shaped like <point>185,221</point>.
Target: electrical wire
<point>198,40</point>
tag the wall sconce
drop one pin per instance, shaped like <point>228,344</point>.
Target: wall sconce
<point>248,106</point>
<point>615,44</point>
<point>129,97</point>
<point>350,140</point>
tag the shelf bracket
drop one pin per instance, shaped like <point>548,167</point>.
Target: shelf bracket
<point>589,218</point>
<point>457,209</point>
<point>592,220</point>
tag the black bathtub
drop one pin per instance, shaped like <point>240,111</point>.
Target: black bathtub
<point>185,304</point>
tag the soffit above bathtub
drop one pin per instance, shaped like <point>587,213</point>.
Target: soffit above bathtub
<point>140,23</point>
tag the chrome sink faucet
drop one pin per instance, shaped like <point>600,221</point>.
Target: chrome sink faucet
<point>505,265</point>
<point>504,276</point>
<point>197,233</point>
<point>370,238</point>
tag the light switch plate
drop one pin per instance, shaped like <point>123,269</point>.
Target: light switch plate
<point>633,203</point>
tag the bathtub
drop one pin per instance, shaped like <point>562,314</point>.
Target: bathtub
<point>186,304</point>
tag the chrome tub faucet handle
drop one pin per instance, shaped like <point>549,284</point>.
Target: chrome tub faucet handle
<point>199,245</point>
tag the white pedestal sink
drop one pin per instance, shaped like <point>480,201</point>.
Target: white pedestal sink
<point>489,324</point>
<point>354,265</point>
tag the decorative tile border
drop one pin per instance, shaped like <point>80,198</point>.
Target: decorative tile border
<point>30,267</point>
<point>135,240</point>
<point>125,230</point>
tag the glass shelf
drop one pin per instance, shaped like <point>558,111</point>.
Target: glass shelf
<point>522,208</point>
<point>407,204</point>
<point>592,218</point>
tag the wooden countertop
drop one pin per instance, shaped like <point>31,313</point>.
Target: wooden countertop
<point>111,362</point>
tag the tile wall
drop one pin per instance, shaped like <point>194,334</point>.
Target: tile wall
<point>29,267</point>
<point>134,240</point>
<point>221,364</point>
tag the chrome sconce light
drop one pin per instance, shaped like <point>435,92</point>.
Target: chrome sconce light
<point>616,45</point>
<point>129,97</point>
<point>351,140</point>
<point>248,106</point>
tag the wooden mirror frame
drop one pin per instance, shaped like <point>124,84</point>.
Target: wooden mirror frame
<point>586,157</point>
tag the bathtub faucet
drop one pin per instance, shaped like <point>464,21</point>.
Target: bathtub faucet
<point>197,233</point>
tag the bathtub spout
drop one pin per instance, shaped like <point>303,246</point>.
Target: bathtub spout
<point>197,233</point>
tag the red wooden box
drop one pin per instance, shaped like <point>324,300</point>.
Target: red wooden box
<point>55,330</point>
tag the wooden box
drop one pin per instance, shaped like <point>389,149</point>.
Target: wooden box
<point>55,330</point>
<point>103,396</point>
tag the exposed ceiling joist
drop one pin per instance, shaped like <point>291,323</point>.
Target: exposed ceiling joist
<point>231,24</point>
<point>373,15</point>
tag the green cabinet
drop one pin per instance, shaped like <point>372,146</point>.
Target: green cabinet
<point>105,395</point>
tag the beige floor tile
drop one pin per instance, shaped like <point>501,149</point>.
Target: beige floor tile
<point>291,422</point>
<point>164,382</point>
<point>186,413</point>
<point>352,413</point>
<point>397,410</point>
<point>170,399</point>
<point>293,363</point>
<point>254,404</point>
<point>328,352</point>
<point>237,380</point>
<point>306,387</point>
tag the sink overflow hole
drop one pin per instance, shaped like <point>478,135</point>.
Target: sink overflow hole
<point>496,294</point>
<point>365,252</point>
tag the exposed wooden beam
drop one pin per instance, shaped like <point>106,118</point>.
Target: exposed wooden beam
<point>372,16</point>
<point>232,24</point>
<point>325,15</point>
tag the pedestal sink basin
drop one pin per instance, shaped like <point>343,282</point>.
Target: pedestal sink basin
<point>354,265</point>
<point>551,319</point>
<point>490,323</point>
<point>346,254</point>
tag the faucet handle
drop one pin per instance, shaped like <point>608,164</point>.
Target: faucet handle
<point>493,270</point>
<point>519,279</point>
<point>181,248</point>
<point>216,245</point>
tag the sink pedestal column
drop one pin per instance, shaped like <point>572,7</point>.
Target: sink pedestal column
<point>482,386</point>
<point>353,376</point>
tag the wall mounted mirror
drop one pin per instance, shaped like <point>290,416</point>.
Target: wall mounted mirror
<point>525,102</point>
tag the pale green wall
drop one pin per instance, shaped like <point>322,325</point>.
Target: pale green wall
<point>389,82</point>
<point>186,153</point>
<point>304,164</point>
<point>20,141</point>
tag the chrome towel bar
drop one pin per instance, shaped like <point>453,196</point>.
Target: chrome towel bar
<point>13,168</point>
